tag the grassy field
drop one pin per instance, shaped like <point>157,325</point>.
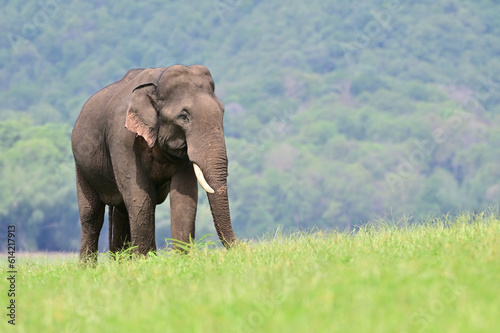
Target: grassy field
<point>439,277</point>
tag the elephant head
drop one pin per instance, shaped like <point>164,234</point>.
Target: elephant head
<point>177,113</point>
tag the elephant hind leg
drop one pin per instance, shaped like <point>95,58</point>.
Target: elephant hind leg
<point>91,218</point>
<point>120,239</point>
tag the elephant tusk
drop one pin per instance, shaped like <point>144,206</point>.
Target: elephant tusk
<point>201,179</point>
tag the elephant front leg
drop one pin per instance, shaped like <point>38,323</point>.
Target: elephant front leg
<point>183,203</point>
<point>141,210</point>
<point>140,198</point>
<point>140,203</point>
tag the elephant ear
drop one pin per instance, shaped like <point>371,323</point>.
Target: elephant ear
<point>142,114</point>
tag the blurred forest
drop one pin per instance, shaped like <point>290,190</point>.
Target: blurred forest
<point>337,112</point>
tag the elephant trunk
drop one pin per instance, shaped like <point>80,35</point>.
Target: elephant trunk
<point>210,164</point>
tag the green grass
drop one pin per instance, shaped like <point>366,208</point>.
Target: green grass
<point>439,277</point>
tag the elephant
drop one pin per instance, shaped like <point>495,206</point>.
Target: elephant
<point>155,132</point>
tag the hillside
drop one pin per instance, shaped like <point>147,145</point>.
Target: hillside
<point>336,113</point>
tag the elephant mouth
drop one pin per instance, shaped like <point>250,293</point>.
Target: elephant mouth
<point>177,155</point>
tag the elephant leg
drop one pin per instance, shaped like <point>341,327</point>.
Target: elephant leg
<point>91,218</point>
<point>141,211</point>
<point>139,196</point>
<point>140,203</point>
<point>183,203</point>
<point>121,237</point>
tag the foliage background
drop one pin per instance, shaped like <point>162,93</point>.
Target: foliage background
<point>336,112</point>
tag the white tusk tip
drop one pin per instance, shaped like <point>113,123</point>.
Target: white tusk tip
<point>201,179</point>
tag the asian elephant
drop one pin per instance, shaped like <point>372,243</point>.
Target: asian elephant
<point>154,132</point>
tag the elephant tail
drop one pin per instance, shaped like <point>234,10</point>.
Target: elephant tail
<point>110,225</point>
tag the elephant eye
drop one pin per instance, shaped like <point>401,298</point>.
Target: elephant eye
<point>183,116</point>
